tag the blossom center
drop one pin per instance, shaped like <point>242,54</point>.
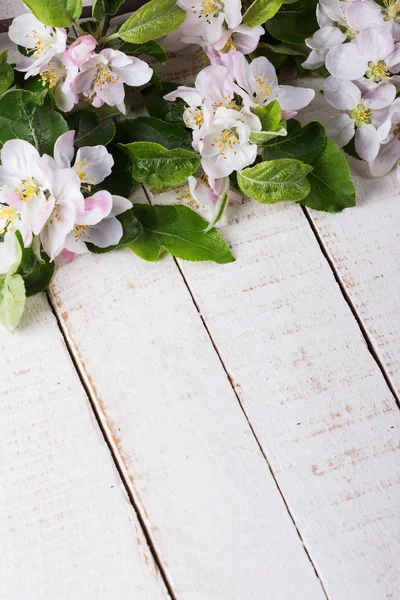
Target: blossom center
<point>361,115</point>
<point>81,230</point>
<point>264,89</point>
<point>209,8</point>
<point>228,46</point>
<point>8,215</point>
<point>227,140</point>
<point>196,118</point>
<point>52,75</point>
<point>105,76</point>
<point>392,8</point>
<point>39,43</point>
<point>378,71</point>
<point>27,189</point>
<point>80,167</point>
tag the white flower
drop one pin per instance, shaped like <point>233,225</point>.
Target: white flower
<point>373,53</point>
<point>92,164</point>
<point>364,118</point>
<point>102,77</point>
<point>213,194</point>
<point>320,43</point>
<point>42,42</point>
<point>226,145</point>
<point>98,224</point>
<point>60,73</point>
<point>364,13</point>
<point>205,18</point>
<point>258,79</point>
<point>389,152</point>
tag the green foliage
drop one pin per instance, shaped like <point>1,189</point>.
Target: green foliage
<point>280,54</point>
<point>56,13</point>
<point>150,129</point>
<point>302,143</point>
<point>294,22</point>
<point>271,121</point>
<point>160,108</point>
<point>158,167</point>
<point>36,273</point>
<point>260,11</point>
<point>132,229</point>
<point>120,181</point>
<point>89,129</point>
<point>153,20</point>
<point>276,181</point>
<point>102,8</point>
<point>151,48</point>
<point>12,292</point>
<point>30,117</point>
<point>179,231</point>
<point>6,72</point>
<point>331,187</point>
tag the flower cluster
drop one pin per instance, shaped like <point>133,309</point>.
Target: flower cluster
<point>43,197</point>
<point>359,44</point>
<point>217,27</point>
<point>74,70</point>
<point>222,114</point>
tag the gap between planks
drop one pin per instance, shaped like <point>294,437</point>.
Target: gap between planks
<point>352,307</point>
<point>111,444</point>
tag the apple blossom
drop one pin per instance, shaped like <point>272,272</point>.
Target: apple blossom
<point>373,54</point>
<point>206,18</point>
<point>365,13</point>
<point>213,194</point>
<point>59,73</point>
<point>258,79</point>
<point>102,77</point>
<point>41,42</point>
<point>389,152</point>
<point>364,118</point>
<point>80,50</point>
<point>320,43</point>
<point>226,145</point>
<point>98,224</point>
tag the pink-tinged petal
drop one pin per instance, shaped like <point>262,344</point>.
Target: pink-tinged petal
<point>8,196</point>
<point>66,256</point>
<point>75,242</point>
<point>246,39</point>
<point>112,94</point>
<point>202,193</point>
<point>80,50</point>
<point>93,164</point>
<point>333,9</point>
<point>315,59</point>
<point>119,206</point>
<point>233,13</point>
<point>293,98</point>
<point>381,97</point>
<point>325,38</point>
<point>97,102</point>
<point>395,30</point>
<point>97,208</point>
<point>84,82</point>
<point>393,61</point>
<point>386,159</point>
<point>136,73</point>
<point>345,62</point>
<point>212,30</point>
<point>65,99</point>
<point>361,15</point>
<point>107,233</point>
<point>341,94</point>
<point>367,142</point>
<point>64,149</point>
<point>341,129</point>
<point>375,43</point>
<point>190,95</point>
<point>16,157</point>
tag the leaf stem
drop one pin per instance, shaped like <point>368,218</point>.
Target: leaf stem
<point>108,38</point>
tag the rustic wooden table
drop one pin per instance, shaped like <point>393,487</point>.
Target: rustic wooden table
<point>200,432</point>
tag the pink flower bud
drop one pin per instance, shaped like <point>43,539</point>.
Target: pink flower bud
<point>81,49</point>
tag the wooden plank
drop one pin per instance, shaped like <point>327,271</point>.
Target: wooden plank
<point>68,529</point>
<point>363,245</point>
<point>214,512</point>
<point>312,391</point>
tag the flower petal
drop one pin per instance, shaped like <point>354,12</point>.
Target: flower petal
<point>107,233</point>
<point>386,159</point>
<point>119,206</point>
<point>381,97</point>
<point>93,164</point>
<point>341,129</point>
<point>64,149</point>
<point>367,142</point>
<point>375,43</point>
<point>345,62</point>
<point>341,94</point>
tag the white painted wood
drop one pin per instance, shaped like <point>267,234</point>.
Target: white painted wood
<point>68,530</point>
<point>313,393</point>
<point>364,245</point>
<point>214,512</point>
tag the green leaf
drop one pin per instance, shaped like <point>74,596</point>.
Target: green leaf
<point>163,109</point>
<point>36,274</point>
<point>12,300</point>
<point>260,11</point>
<point>179,231</point>
<point>153,20</point>
<point>280,54</point>
<point>102,8</point>
<point>271,122</point>
<point>294,22</point>
<point>276,181</point>
<point>302,143</point>
<point>56,13</point>
<point>46,126</point>
<point>4,56</point>
<point>132,229</point>
<point>149,129</point>
<point>120,182</point>
<point>331,187</point>
<point>17,108</point>
<point>151,48</point>
<point>158,167</point>
<point>89,129</point>
<point>6,77</point>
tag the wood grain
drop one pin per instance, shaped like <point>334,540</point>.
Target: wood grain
<point>215,515</point>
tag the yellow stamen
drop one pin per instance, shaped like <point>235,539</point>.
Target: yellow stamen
<point>27,189</point>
